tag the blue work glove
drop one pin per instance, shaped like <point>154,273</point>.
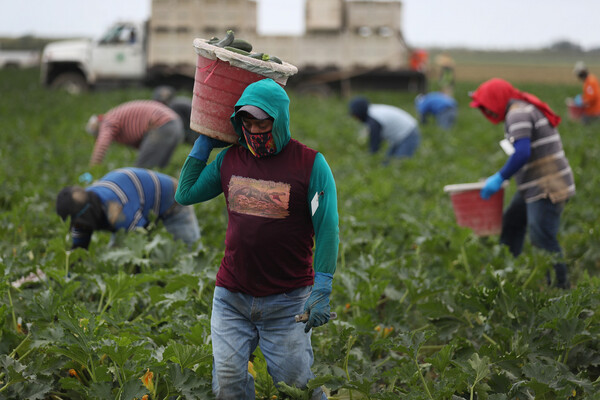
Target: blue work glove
<point>492,185</point>
<point>86,178</point>
<point>578,100</point>
<point>204,145</point>
<point>317,304</point>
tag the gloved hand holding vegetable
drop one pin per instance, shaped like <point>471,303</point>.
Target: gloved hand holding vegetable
<point>204,145</point>
<point>317,304</point>
<point>492,185</point>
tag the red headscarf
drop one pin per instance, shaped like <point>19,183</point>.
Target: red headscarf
<point>495,94</point>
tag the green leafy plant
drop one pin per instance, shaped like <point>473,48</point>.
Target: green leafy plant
<point>426,309</point>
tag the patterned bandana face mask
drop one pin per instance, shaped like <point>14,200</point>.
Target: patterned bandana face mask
<point>260,144</point>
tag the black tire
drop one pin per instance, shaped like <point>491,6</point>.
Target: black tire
<point>70,82</point>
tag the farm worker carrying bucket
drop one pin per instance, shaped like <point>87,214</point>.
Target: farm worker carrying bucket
<point>537,161</point>
<point>281,203</point>
<point>585,107</point>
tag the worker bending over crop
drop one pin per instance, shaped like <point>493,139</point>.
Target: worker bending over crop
<point>387,123</point>
<point>181,105</point>
<point>125,199</point>
<point>281,201</point>
<point>589,100</point>
<point>537,161</point>
<point>439,105</point>
<point>147,125</point>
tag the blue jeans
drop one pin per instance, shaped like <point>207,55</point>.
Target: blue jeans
<point>542,219</point>
<point>240,322</point>
<point>181,222</point>
<point>405,148</point>
<point>446,118</point>
<point>588,119</point>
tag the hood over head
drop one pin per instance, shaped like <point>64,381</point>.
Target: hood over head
<point>271,98</point>
<point>359,107</point>
<point>495,94</point>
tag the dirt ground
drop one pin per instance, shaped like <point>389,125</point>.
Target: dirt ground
<point>516,73</point>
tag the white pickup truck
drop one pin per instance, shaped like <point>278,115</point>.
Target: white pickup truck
<point>19,58</point>
<point>75,65</point>
<point>346,43</point>
<point>118,57</point>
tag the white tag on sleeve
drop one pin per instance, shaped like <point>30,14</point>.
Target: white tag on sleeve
<point>314,203</point>
<point>507,146</point>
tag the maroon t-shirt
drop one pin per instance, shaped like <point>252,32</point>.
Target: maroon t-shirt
<point>270,237</point>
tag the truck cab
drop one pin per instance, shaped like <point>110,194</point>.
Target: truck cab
<point>118,57</point>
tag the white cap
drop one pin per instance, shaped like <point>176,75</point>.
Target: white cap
<point>579,67</point>
<point>92,125</point>
<point>256,112</point>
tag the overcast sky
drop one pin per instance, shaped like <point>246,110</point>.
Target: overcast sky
<point>506,24</point>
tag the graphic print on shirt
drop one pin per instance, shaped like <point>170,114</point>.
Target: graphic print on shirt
<point>258,197</point>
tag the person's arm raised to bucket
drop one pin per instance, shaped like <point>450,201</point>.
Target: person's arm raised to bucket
<point>198,181</point>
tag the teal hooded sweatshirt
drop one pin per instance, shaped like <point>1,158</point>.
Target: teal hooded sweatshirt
<point>262,182</point>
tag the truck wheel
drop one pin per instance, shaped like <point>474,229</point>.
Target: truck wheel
<point>70,82</point>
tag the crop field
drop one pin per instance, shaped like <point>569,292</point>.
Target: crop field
<point>542,66</point>
<point>426,309</point>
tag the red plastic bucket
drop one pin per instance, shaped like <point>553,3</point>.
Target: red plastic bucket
<point>221,77</point>
<point>217,87</point>
<point>484,217</point>
<point>575,113</point>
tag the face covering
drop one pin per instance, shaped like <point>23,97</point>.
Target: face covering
<point>260,144</point>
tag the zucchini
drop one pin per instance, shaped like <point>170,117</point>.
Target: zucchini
<point>258,56</point>
<point>226,41</point>
<point>213,40</point>
<point>275,59</point>
<point>236,50</point>
<point>241,44</point>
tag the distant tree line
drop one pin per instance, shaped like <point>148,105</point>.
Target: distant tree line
<point>566,45</point>
<point>30,42</point>
<point>27,42</point>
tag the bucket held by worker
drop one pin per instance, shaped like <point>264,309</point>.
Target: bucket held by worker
<point>484,217</point>
<point>575,112</point>
<point>221,77</point>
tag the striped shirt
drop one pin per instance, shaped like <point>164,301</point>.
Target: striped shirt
<point>547,173</point>
<point>128,123</point>
<point>129,197</point>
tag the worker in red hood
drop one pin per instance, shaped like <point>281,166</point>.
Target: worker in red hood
<point>537,161</point>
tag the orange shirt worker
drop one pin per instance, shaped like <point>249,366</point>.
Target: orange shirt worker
<point>589,100</point>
